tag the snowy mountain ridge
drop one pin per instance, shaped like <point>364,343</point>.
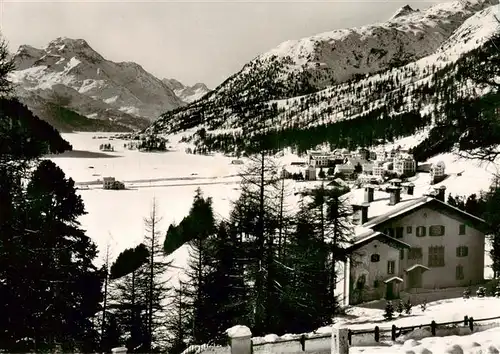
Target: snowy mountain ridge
<point>68,72</point>
<point>457,29</point>
<point>187,94</point>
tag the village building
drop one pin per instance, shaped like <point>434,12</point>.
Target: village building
<point>437,172</point>
<point>367,168</point>
<point>410,245</point>
<point>346,169</point>
<point>318,158</point>
<point>378,169</point>
<point>362,154</point>
<point>310,173</point>
<point>405,165</point>
<point>381,154</point>
<point>111,183</point>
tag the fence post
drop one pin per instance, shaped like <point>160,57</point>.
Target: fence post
<point>466,320</point>
<point>393,332</point>
<point>119,350</point>
<point>240,339</point>
<point>340,341</point>
<point>433,327</point>
<point>471,324</point>
<point>377,334</point>
<point>303,342</point>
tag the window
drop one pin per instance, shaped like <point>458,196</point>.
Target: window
<point>436,230</point>
<point>462,251</point>
<point>415,253</point>
<point>391,265</point>
<point>375,258</point>
<point>399,232</point>
<point>436,256</point>
<point>409,230</point>
<point>459,274</point>
<point>389,232</point>
<point>461,229</point>
<point>420,231</point>
<point>402,254</point>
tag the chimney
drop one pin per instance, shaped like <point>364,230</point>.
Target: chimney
<point>395,182</point>
<point>395,195</point>
<point>360,213</point>
<point>369,190</point>
<point>440,191</point>
<point>410,187</point>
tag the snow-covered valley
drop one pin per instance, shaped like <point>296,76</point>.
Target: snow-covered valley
<point>171,178</point>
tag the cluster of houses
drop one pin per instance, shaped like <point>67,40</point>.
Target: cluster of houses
<point>378,163</point>
<point>106,147</point>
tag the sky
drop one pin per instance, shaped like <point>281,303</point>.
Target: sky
<point>191,41</point>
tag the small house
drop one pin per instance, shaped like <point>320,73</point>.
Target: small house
<point>111,183</point>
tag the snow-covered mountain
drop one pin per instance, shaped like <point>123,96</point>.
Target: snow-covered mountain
<point>69,73</point>
<point>297,92</point>
<point>187,94</point>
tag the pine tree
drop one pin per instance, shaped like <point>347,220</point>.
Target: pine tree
<point>306,287</point>
<point>65,287</point>
<point>333,229</point>
<point>226,289</point>
<point>6,66</point>
<point>128,295</point>
<point>389,311</point>
<point>198,227</point>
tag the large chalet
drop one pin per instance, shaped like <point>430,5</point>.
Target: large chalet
<point>409,244</point>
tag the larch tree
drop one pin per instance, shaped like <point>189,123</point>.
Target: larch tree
<point>157,290</point>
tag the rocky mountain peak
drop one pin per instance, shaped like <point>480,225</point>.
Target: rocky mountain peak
<point>187,93</point>
<point>403,11</point>
<point>68,47</point>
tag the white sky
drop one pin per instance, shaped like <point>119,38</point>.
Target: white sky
<point>192,41</point>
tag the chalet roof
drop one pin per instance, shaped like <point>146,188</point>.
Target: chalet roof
<point>338,182</point>
<point>318,153</point>
<point>380,211</point>
<point>365,236</point>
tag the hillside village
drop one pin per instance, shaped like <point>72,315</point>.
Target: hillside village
<point>374,165</point>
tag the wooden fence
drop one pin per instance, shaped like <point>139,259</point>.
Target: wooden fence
<point>394,331</point>
<point>301,340</point>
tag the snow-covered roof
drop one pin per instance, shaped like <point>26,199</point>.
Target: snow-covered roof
<point>366,235</point>
<point>415,266</point>
<point>395,279</point>
<point>294,168</point>
<point>439,164</point>
<point>379,210</point>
